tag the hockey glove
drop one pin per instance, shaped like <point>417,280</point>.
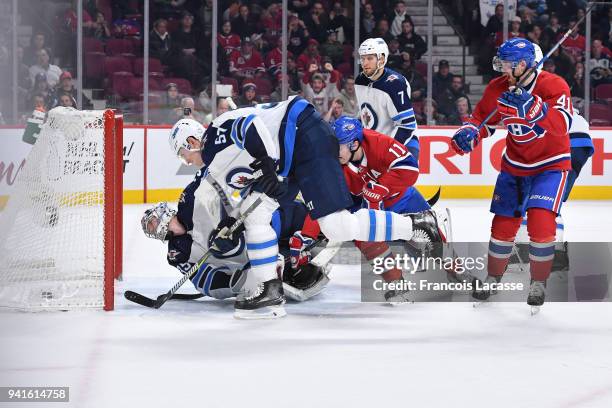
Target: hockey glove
<point>267,180</point>
<point>465,139</point>
<point>297,243</point>
<point>522,104</point>
<point>374,194</point>
<point>225,247</point>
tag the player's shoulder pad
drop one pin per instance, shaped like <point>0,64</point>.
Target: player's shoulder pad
<point>552,82</point>
<point>391,81</point>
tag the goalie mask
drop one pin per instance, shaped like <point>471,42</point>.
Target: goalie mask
<point>155,221</point>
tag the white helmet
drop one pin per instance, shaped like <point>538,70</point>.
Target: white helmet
<point>181,131</point>
<point>538,56</point>
<point>376,46</point>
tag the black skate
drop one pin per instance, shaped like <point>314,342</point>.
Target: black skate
<point>537,293</point>
<point>426,232</point>
<point>482,294</point>
<point>396,296</point>
<point>265,302</point>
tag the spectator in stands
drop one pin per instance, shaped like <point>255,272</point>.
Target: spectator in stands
<point>349,97</point>
<point>463,109</point>
<point>564,64</point>
<point>52,72</point>
<point>67,101</point>
<point>205,16</point>
<point>99,29</point>
<point>410,41</point>
<point>576,86</point>
<point>246,63</point>
<point>442,79</point>
<point>515,32</point>
<point>575,44</point>
<point>244,25</point>
<point>186,110</point>
<point>437,119</point>
<point>600,64</point>
<point>317,22</point>
<point>332,48</point>
<point>223,105</point>
<point>258,43</point>
<point>24,81</point>
<point>309,56</point>
<point>382,30</point>
<point>527,15</point>
<point>399,15</point>
<point>228,40</point>
<point>418,85</point>
<point>298,35</point>
<point>549,66</point>
<point>171,98</point>
<point>67,87</point>
<point>317,91</point>
<point>277,93</point>
<point>42,88</point>
<point>37,43</point>
<point>160,43</point>
<point>38,103</point>
<point>605,29</point>
<point>394,59</point>
<point>187,41</point>
<point>552,30</point>
<point>368,21</point>
<point>274,58</point>
<point>336,109</point>
<point>446,97</point>
<point>339,22</point>
<point>300,7</point>
<point>272,21</point>
<point>249,95</point>
<point>293,74</point>
<point>534,34</point>
<point>496,21</point>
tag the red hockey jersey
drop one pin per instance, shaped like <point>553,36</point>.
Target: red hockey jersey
<point>532,148</point>
<point>386,162</point>
<point>246,67</point>
<point>229,43</point>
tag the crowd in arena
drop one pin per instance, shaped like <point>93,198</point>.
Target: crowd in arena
<point>320,54</point>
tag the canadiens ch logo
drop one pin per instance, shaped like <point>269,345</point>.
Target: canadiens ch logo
<point>521,131</point>
<point>239,178</point>
<point>369,119</point>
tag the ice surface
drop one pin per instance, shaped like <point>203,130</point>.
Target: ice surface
<point>332,351</point>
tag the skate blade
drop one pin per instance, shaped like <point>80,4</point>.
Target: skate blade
<point>398,303</point>
<point>268,312</point>
<point>535,310</point>
<point>477,304</point>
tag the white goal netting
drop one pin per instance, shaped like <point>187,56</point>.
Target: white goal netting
<point>52,229</point>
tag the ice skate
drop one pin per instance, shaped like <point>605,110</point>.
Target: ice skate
<point>265,302</point>
<point>537,293</point>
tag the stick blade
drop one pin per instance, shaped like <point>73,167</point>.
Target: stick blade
<point>140,299</point>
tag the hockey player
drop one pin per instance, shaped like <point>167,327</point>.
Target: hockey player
<point>383,96</point>
<point>535,164</point>
<point>380,171</point>
<point>289,144</point>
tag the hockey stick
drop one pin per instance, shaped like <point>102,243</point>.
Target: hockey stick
<point>531,70</point>
<point>434,199</point>
<point>157,303</point>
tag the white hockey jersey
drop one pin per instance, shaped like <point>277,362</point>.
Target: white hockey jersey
<point>385,106</point>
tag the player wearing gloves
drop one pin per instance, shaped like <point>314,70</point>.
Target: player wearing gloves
<point>380,171</point>
<point>535,164</point>
<point>286,145</point>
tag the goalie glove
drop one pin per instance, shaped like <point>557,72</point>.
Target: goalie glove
<point>374,194</point>
<point>520,103</point>
<point>465,139</point>
<point>297,245</point>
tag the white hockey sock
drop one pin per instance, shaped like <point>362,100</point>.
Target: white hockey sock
<point>262,249</point>
<point>366,225</point>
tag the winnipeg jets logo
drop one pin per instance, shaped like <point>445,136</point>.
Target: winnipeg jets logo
<point>392,77</point>
<point>239,178</point>
<point>369,119</point>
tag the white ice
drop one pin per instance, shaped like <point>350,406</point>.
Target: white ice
<point>332,351</point>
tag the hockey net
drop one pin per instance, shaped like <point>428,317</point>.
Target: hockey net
<point>60,233</point>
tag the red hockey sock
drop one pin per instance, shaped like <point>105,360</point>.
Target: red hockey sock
<point>542,227</point>
<point>377,250</point>
<point>503,231</point>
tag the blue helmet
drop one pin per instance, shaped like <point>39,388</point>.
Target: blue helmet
<point>515,50</point>
<point>348,129</point>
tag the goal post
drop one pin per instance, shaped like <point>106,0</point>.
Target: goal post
<point>61,230</point>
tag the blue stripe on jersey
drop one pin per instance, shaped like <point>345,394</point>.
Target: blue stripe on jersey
<point>409,160</point>
<point>276,223</point>
<point>198,276</point>
<point>239,141</point>
<point>264,261</point>
<point>388,226</point>
<point>208,282</point>
<point>581,140</point>
<point>245,125</point>
<point>409,113</point>
<point>262,245</point>
<point>548,163</point>
<point>372,234</point>
<point>290,131</point>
